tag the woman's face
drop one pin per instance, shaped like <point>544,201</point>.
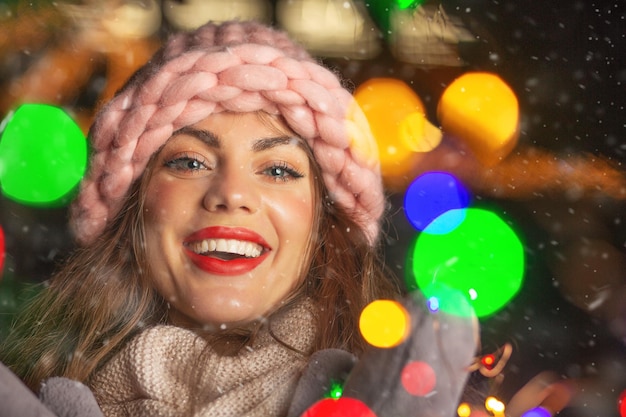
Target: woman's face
<point>229,212</point>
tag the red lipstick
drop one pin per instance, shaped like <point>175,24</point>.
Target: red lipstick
<point>213,265</point>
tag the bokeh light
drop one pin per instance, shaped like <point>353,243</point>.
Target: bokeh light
<point>406,4</point>
<point>537,412</point>
<point>442,297</point>
<point>464,410</point>
<point>488,361</point>
<point>418,378</point>
<point>43,155</point>
<point>398,121</point>
<point>482,110</point>
<point>335,390</point>
<point>621,403</point>
<point>433,304</point>
<point>494,405</point>
<point>432,194</point>
<point>341,407</point>
<point>384,323</point>
<point>482,259</point>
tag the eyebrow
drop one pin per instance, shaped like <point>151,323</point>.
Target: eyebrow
<point>205,136</point>
<point>262,144</point>
<point>269,143</point>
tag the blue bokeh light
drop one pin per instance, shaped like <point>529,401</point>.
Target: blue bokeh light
<point>432,194</point>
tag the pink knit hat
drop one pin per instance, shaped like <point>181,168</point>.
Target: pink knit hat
<point>237,67</point>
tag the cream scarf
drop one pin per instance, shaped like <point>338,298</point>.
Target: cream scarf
<point>170,371</point>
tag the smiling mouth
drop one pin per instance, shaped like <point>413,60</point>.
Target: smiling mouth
<point>226,249</point>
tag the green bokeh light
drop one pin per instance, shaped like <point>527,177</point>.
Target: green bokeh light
<point>43,155</point>
<point>482,259</point>
<point>380,11</point>
<point>335,390</point>
<point>405,4</point>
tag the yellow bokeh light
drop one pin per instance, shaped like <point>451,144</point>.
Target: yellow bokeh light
<point>482,110</point>
<point>464,410</point>
<point>384,323</point>
<point>417,134</point>
<point>494,405</point>
<point>398,122</point>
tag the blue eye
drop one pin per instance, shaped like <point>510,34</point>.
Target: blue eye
<point>186,163</point>
<point>282,172</point>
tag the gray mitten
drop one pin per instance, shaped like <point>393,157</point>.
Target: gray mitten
<point>325,367</point>
<point>16,399</point>
<point>424,375</point>
<point>68,398</point>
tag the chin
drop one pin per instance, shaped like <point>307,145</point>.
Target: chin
<point>225,319</point>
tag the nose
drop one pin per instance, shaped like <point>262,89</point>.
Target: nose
<point>232,189</point>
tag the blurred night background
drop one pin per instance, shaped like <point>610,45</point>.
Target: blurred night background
<point>565,62</point>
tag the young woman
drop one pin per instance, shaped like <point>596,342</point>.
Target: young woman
<point>229,228</point>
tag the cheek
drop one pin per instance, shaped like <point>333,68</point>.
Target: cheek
<point>294,216</point>
<point>165,213</point>
<point>165,201</point>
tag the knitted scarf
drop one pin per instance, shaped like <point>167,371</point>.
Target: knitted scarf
<point>170,371</point>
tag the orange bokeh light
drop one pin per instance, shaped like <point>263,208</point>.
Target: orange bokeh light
<point>398,122</point>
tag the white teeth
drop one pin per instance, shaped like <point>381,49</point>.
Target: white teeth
<point>222,246</point>
<point>239,247</point>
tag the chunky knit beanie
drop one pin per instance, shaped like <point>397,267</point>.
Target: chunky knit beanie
<point>236,67</point>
